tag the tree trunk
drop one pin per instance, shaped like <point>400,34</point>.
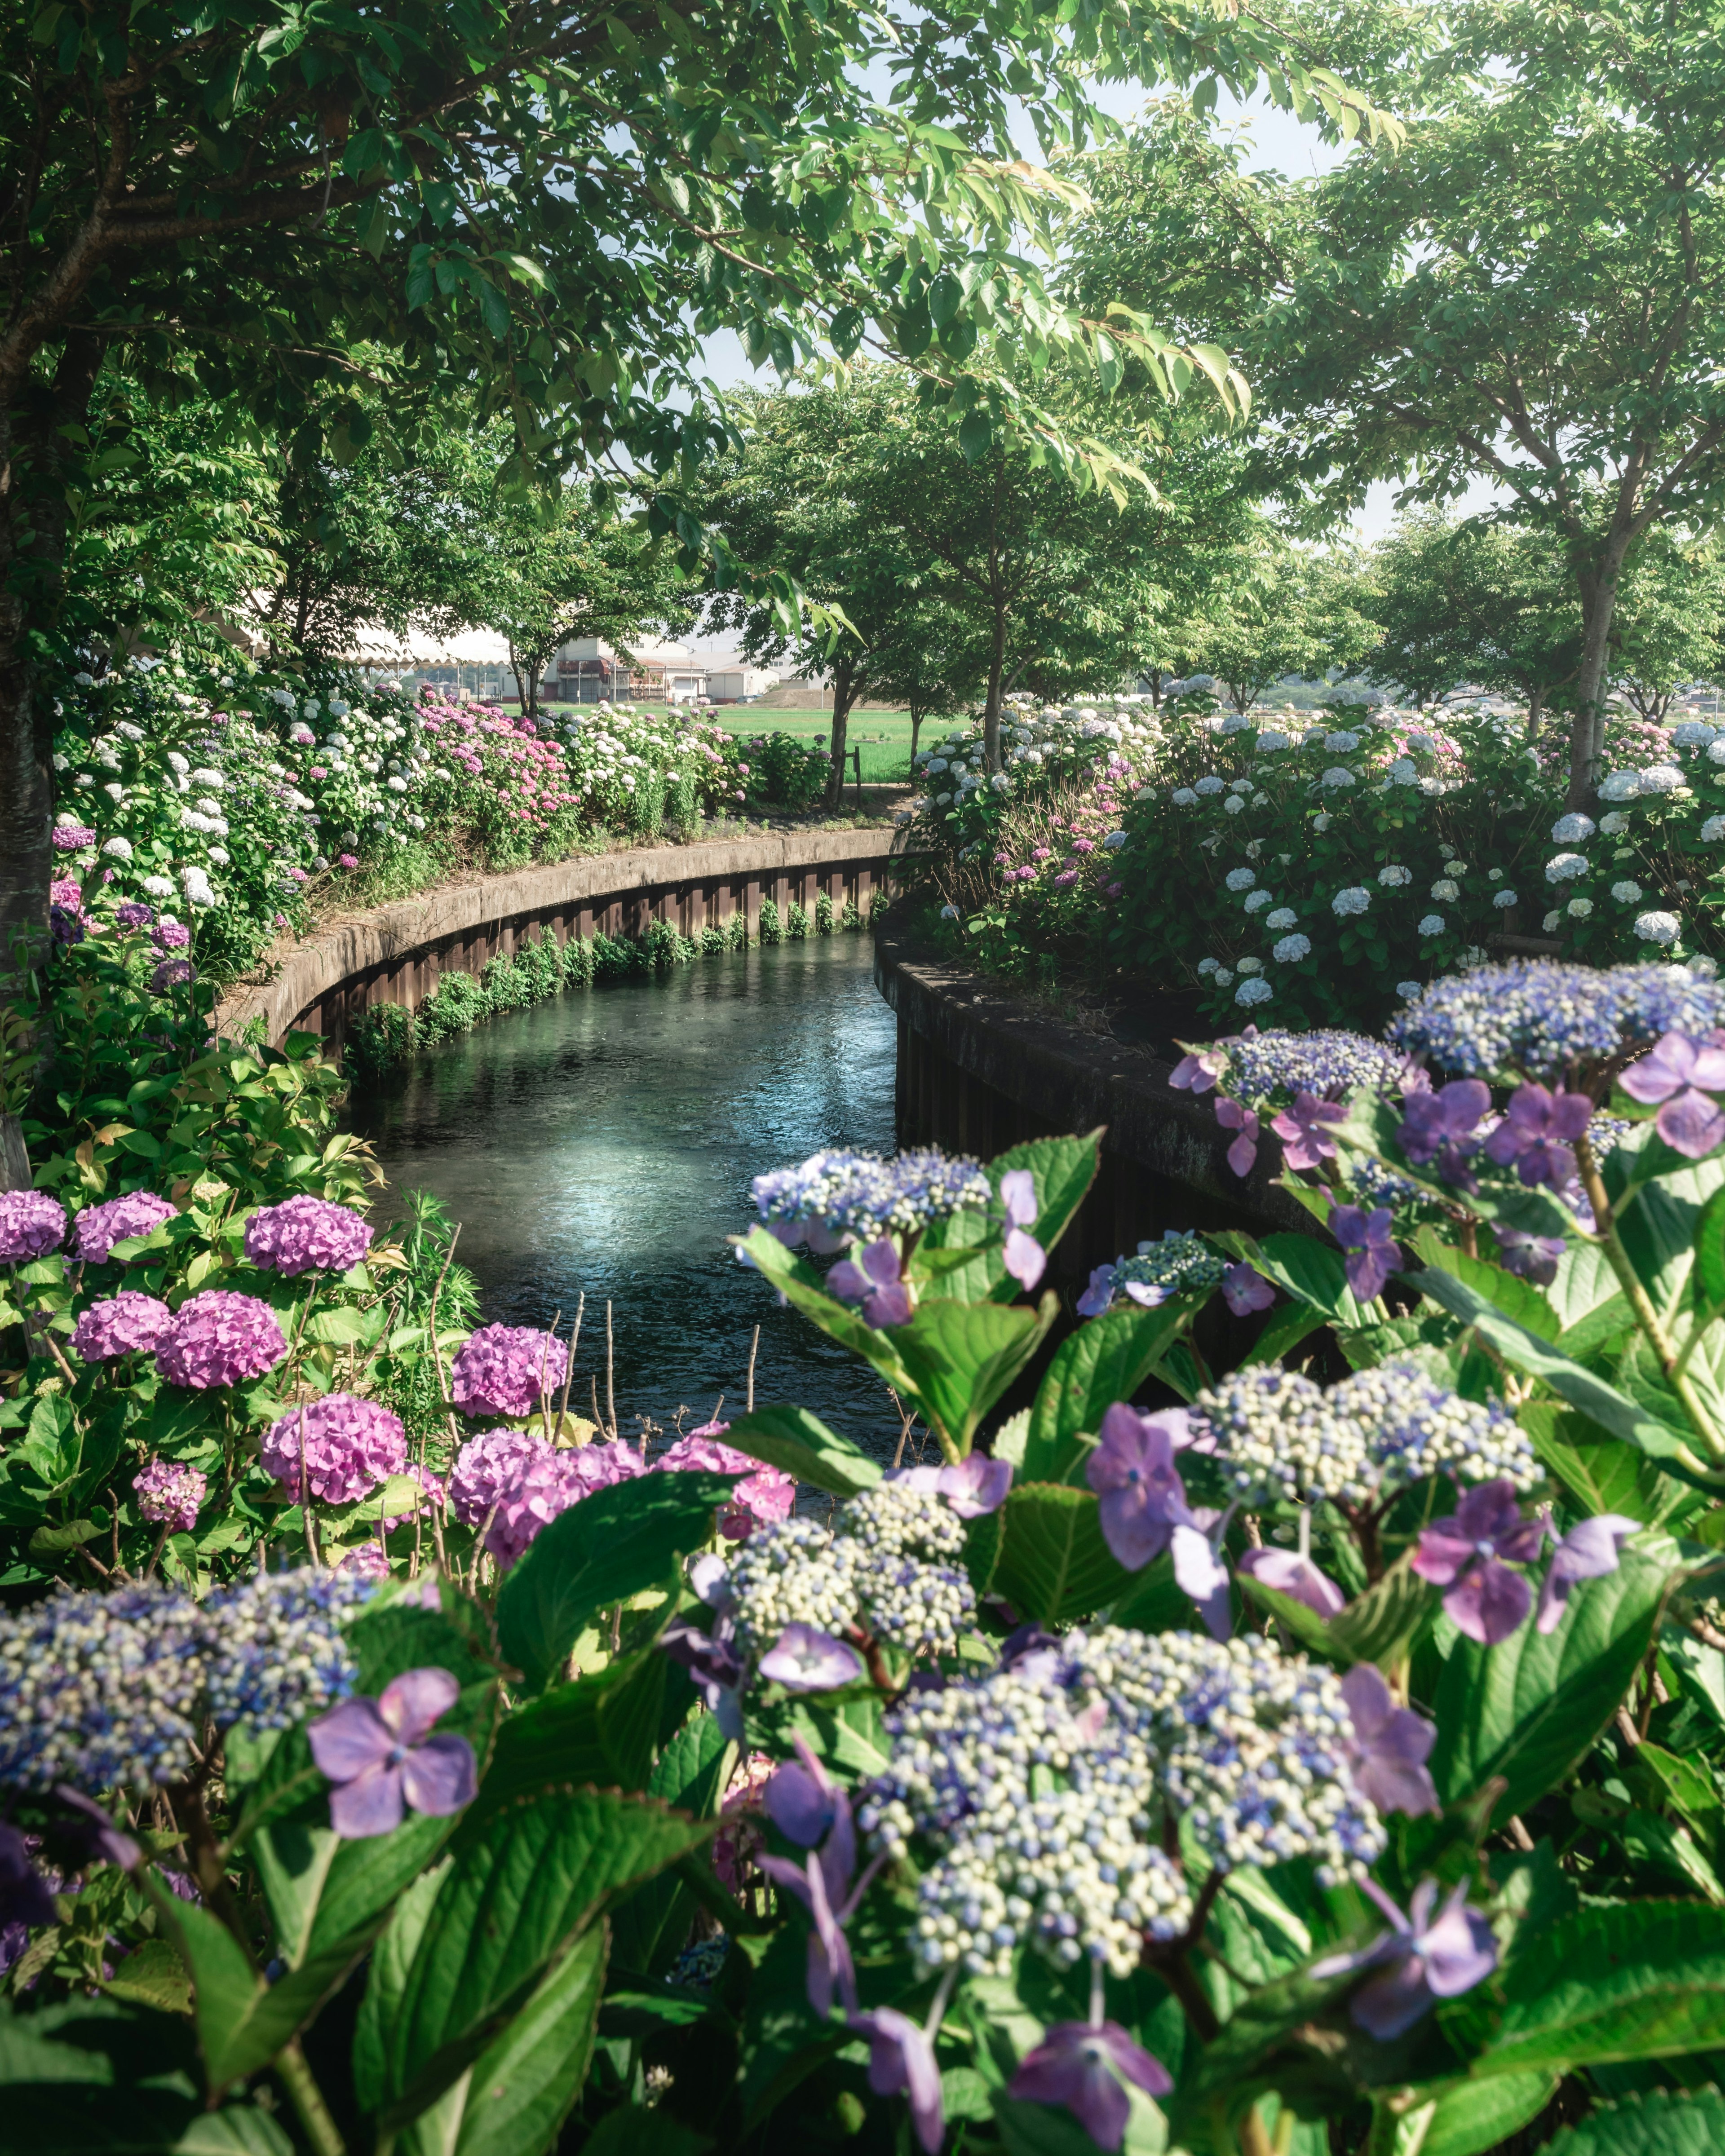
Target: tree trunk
<point>846,684</point>
<point>35,451</point>
<point>997,667</point>
<point>915,729</point>
<point>1536,704</point>
<point>1587,740</point>
<point>521,686</point>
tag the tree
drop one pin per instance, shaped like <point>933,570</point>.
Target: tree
<point>1670,619</point>
<point>1276,609</point>
<point>546,208</point>
<point>1529,293</point>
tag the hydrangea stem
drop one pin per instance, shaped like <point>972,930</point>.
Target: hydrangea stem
<point>1641,1302</point>
<point>306,2098</point>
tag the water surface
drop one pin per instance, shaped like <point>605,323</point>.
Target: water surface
<point>605,1140</point>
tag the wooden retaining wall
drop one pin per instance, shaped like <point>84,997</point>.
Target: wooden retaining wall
<point>398,953</point>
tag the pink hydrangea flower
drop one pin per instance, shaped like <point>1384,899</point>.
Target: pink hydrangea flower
<point>764,1493</point>
<point>173,974</point>
<point>220,1338</point>
<point>128,1323</point>
<point>487,1468</point>
<point>170,1494</point>
<point>337,1448</point>
<point>98,1227</point>
<point>306,1234</point>
<point>32,1224</point>
<point>431,1484</point>
<point>364,1561</point>
<point>502,1369</point>
<point>68,838</point>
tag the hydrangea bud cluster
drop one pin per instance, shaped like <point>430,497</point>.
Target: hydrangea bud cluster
<point>305,1234</point>
<point>220,1338</point>
<point>1181,1264</point>
<point>98,1227</point>
<point>1539,1018</point>
<point>129,1323</point>
<point>503,1369</point>
<point>338,1448</point>
<point>793,1572</point>
<point>1279,1438</point>
<point>170,1495</point>
<point>841,1193</point>
<point>32,1224</point>
<point>112,1691</point>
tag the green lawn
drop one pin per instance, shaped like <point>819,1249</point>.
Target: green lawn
<point>883,736</point>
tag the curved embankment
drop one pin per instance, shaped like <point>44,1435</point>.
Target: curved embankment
<point>397,953</point>
<point>978,1071</point>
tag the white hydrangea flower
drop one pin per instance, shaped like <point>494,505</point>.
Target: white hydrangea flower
<point>1291,950</point>
<point>1628,892</point>
<point>1342,744</point>
<point>1446,887</point>
<point>1253,991</point>
<point>1356,899</point>
<point>219,855</point>
<point>1323,820</point>
<point>1271,737</point>
<point>1432,925</point>
<point>1208,784</point>
<point>1553,919</point>
<point>1256,901</point>
<point>1407,990</point>
<point>1693,733</point>
<point>1503,900</point>
<point>1657,927</point>
<point>1209,966</point>
<point>1224,976</point>
<point>1232,805</point>
<point>1183,797</point>
<point>1614,824</point>
<point>1249,966</point>
<point>1571,830</point>
<point>1661,778</point>
<point>1578,909</point>
<point>1565,868</point>
<point>1114,841</point>
<point>1620,786</point>
<point>196,885</point>
<point>1712,830</point>
<point>1716,751</point>
<point>1338,775</point>
<point>1240,879</point>
<point>1283,918</point>
<point>1394,875</point>
<point>117,848</point>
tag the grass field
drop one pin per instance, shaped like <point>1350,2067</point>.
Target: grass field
<point>883,736</point>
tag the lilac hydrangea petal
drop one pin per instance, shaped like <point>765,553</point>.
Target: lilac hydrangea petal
<point>1245,1289</point>
<point>1459,1950</point>
<point>1018,1195</point>
<point>371,1803</point>
<point>1388,2004</point>
<point>1134,2062</point>
<point>1025,1258</point>
<point>975,1485</point>
<point>1200,1574</point>
<point>797,1805</point>
<point>889,1306</point>
<point>1441,1553</point>
<point>804,1659</point>
<point>1296,1576</point>
<point>901,2056</point>
<point>1691,1125</point>
<point>350,1738</point>
<point>411,1702</point>
<point>1488,1602</point>
<point>1099,1294</point>
<point>439,1776</point>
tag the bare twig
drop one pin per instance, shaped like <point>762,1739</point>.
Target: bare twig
<point>610,1392</point>
<point>754,1349</point>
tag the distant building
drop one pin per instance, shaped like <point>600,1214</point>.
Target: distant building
<point>739,685</point>
<point>659,672</point>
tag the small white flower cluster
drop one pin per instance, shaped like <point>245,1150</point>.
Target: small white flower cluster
<point>1279,1439</point>
<point>878,1570</point>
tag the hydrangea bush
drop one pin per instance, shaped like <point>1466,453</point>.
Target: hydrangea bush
<point>1313,1751</point>
<point>1302,867</point>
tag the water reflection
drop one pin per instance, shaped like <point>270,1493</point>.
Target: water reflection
<point>605,1140</point>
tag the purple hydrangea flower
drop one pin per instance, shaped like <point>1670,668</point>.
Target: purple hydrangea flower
<point>337,1448</point>
<point>382,1758</point>
<point>763,1494</point>
<point>134,914</point>
<point>1298,1577</point>
<point>876,1281</point>
<point>503,1369</point>
<point>1528,1257</point>
<point>128,1323</point>
<point>488,1467</point>
<point>1301,1127</point>
<point>32,1224</point>
<point>1422,1960</point>
<point>1371,1248</point>
<point>1099,1293</point>
<point>1199,1068</point>
<point>170,1495</point>
<point>305,1234</point>
<point>171,936</point>
<point>1469,1555</point>
<point>65,926</point>
<point>1243,1154</point>
<point>220,1338</point>
<point>1245,1289</point>
<point>1587,1552</point>
<point>1535,1017</point>
<point>1025,1259</point>
<point>1084,2068</point>
<point>72,838</point>
<point>1141,1497</point>
<point>364,1561</point>
<point>1391,1746</point>
<point>98,1227</point>
<point>804,1659</point>
<point>975,1485</point>
<point>716,1669</point>
<point>1679,1074</point>
<point>1538,1132</point>
<point>1439,1126</point>
<point>173,974</point>
<point>901,2057</point>
<point>802,1799</point>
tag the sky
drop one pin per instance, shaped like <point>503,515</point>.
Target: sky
<point>1280,143</point>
